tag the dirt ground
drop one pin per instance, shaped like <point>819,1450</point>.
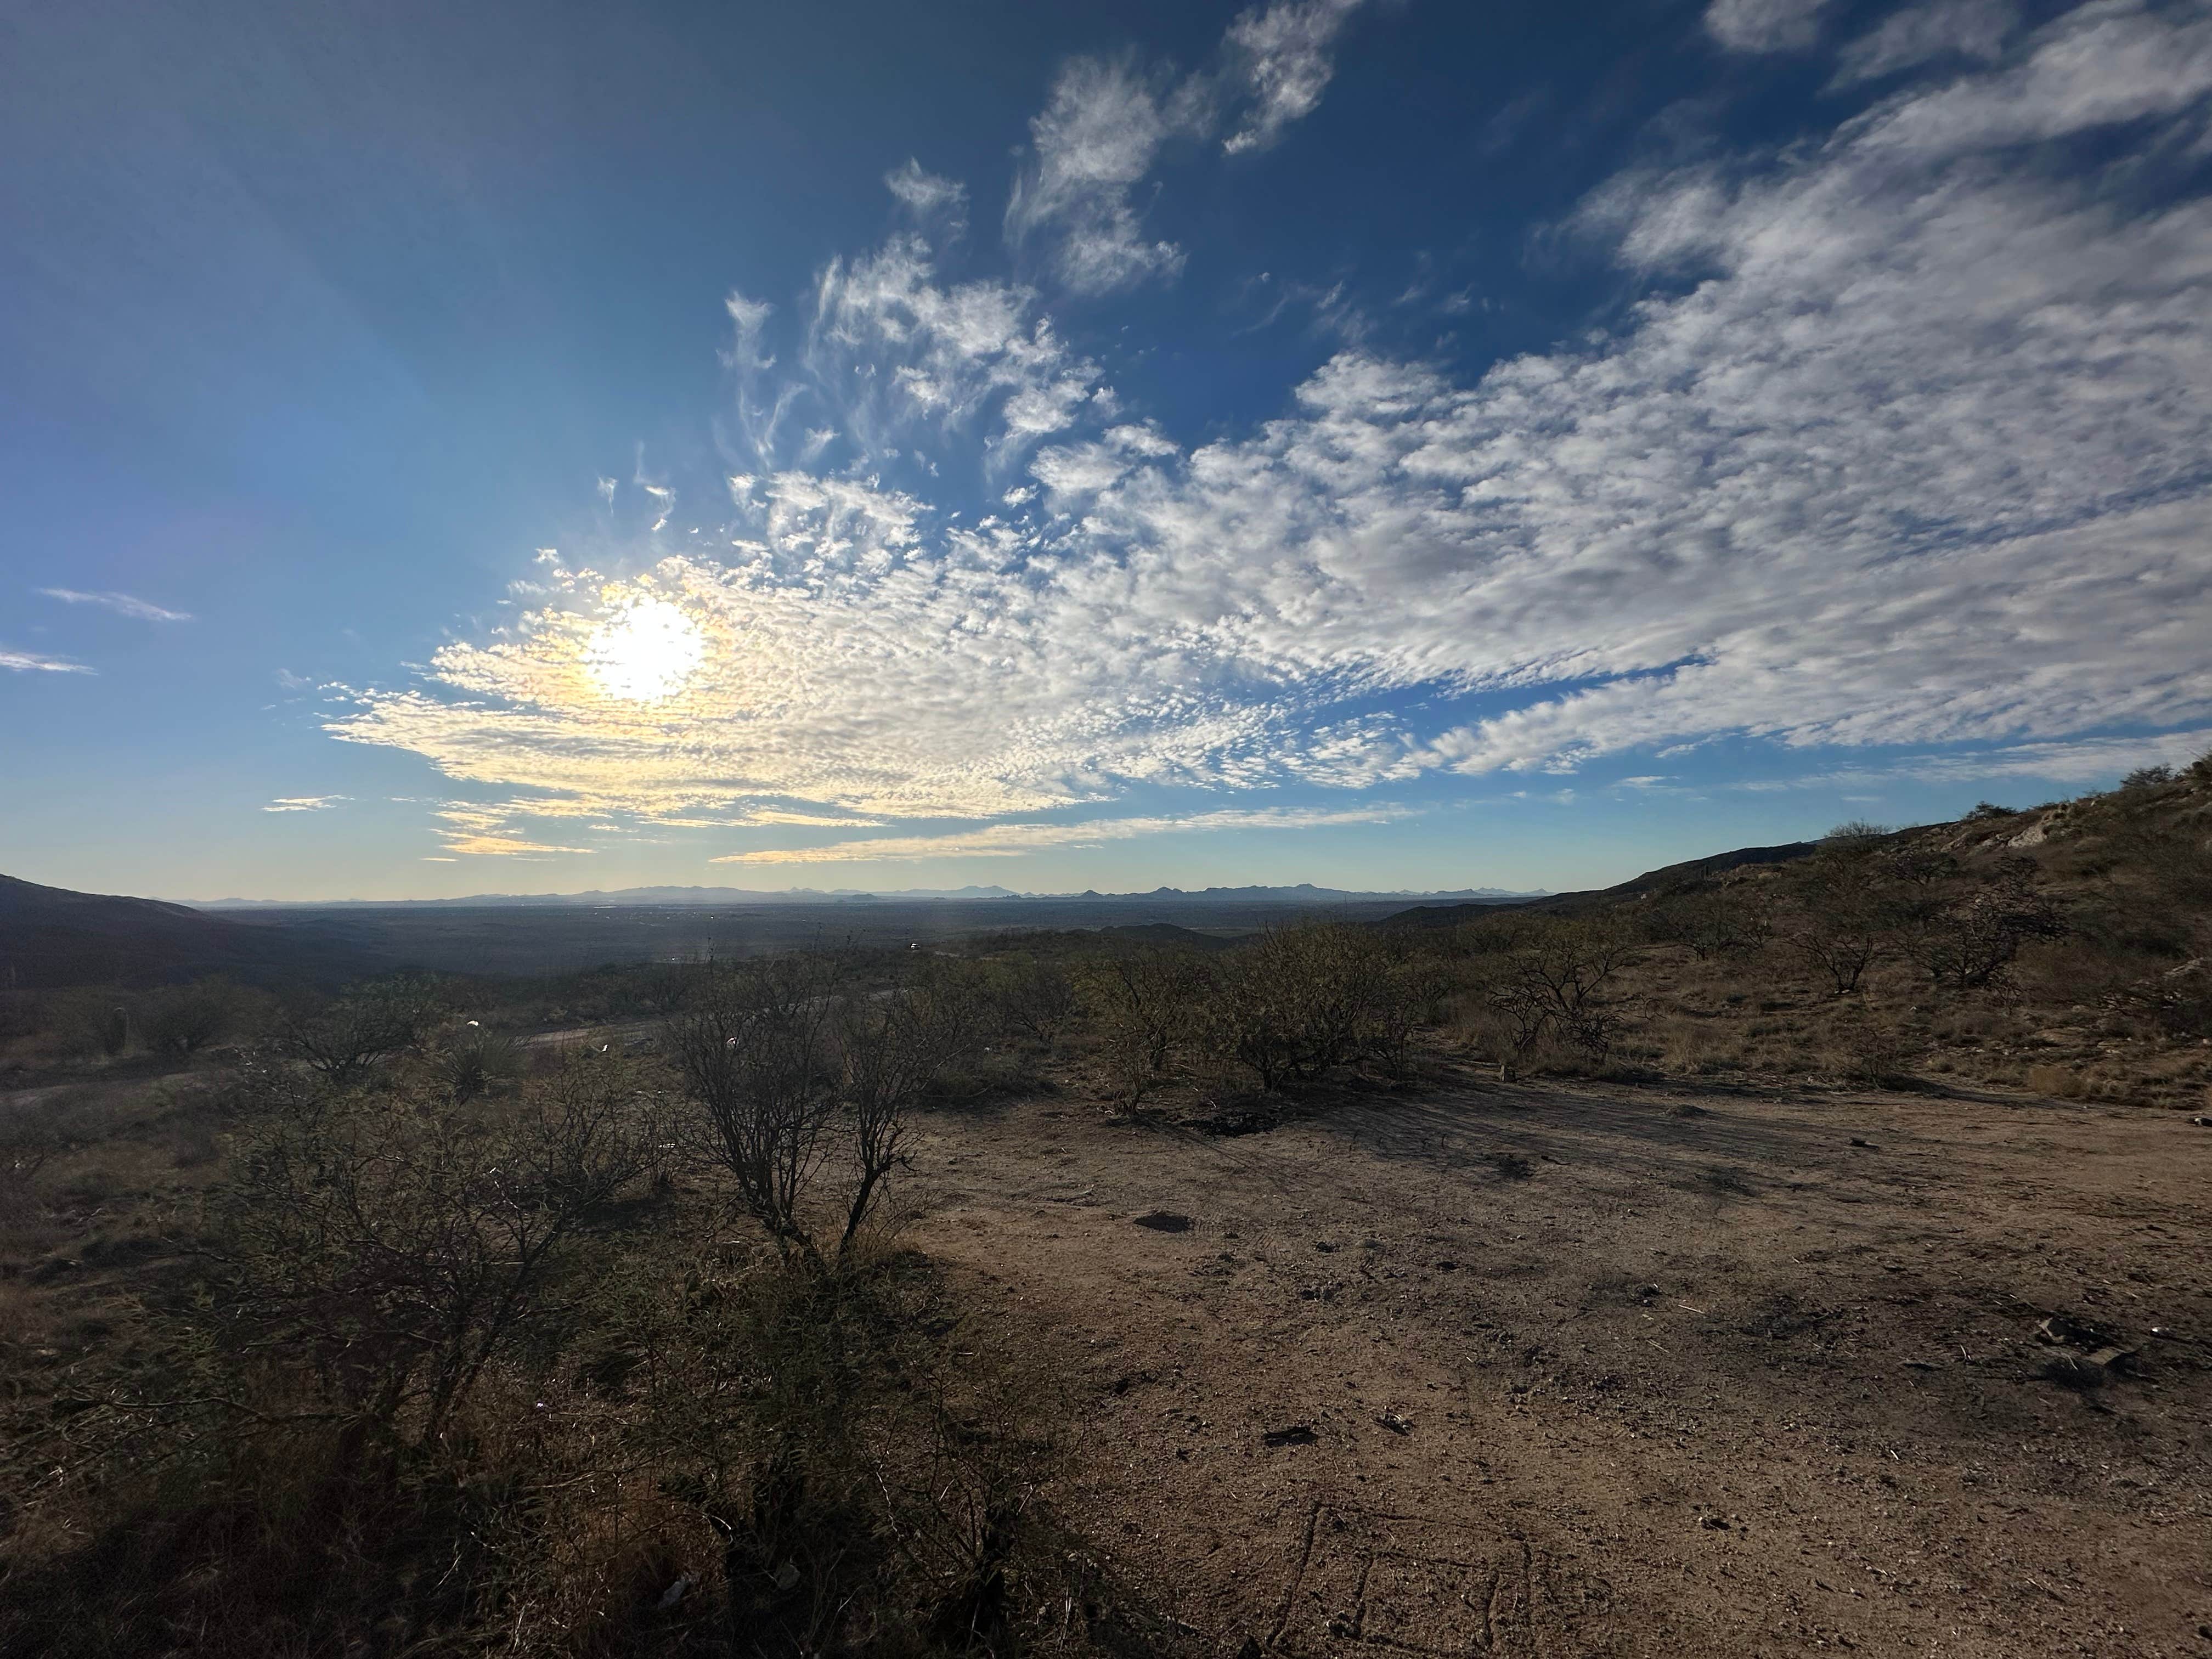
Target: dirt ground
<point>1481,1368</point>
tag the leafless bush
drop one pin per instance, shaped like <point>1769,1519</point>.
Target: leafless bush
<point>1141,1001</point>
<point>395,1246</point>
<point>791,1067</point>
<point>1297,1000</point>
<point>1968,936</point>
<point>345,1038</point>
<point>1546,978</point>
<point>1723,920</point>
<point>1036,999</point>
<point>183,1019</point>
<point>1841,910</point>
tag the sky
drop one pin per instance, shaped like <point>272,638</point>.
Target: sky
<point>1391,444</point>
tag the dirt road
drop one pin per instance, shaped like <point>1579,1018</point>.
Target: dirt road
<point>1485,1369</point>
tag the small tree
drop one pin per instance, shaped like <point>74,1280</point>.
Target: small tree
<point>756,1050</point>
<point>183,1019</point>
<point>785,1060</point>
<point>1548,977</point>
<point>1142,1001</point>
<point>1968,939</point>
<point>344,1038</point>
<point>1842,910</point>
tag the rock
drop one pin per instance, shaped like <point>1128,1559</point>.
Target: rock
<point>677,1591</point>
<point>1165,1221</point>
<point>1395,1423</point>
<point>1297,1434</point>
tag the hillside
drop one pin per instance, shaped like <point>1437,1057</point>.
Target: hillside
<point>1667,877</point>
<point>51,937</point>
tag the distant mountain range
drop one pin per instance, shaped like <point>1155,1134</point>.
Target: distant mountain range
<point>1305,893</point>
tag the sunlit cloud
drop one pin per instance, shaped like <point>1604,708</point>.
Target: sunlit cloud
<point>29,662</point>
<point>122,603</point>
<point>1826,486</point>
<point>304,803</point>
<point>1014,840</point>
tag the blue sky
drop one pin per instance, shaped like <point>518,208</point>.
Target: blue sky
<point>1378,442</point>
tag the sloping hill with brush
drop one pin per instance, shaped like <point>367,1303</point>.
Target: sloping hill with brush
<point>51,937</point>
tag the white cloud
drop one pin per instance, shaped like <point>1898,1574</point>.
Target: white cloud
<point>2079,760</point>
<point>1763,26</point>
<point>25,662</point>
<point>1280,55</point>
<point>928,196</point>
<point>122,603</point>
<point>304,803</point>
<point>1014,840</point>
<point>1096,139</point>
<point>1911,444</point>
<point>1968,28</point>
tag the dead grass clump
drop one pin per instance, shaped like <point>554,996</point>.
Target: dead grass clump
<point>2059,1082</point>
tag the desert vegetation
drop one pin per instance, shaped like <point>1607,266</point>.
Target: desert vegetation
<point>581,1315</point>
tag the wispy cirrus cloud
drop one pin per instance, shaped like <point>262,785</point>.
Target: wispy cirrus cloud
<point>31,662</point>
<point>304,803</point>
<point>1108,121</point>
<point>1280,56</point>
<point>121,604</point>
<point>1095,140</point>
<point>1014,840</point>
<point>1765,25</point>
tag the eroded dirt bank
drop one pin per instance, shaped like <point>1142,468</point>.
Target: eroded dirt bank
<point>1521,1371</point>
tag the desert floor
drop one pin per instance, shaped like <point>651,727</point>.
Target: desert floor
<point>1493,1368</point>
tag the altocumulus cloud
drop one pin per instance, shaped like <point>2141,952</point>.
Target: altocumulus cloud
<point>1911,445</point>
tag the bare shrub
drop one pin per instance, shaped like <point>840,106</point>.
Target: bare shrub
<point>1841,912</point>
<point>1141,1001</point>
<point>1968,937</point>
<point>789,1066</point>
<point>183,1019</point>
<point>394,1245</point>
<point>1036,999</point>
<point>1298,1001</point>
<point>1546,978</point>
<point>1725,918</point>
<point>344,1038</point>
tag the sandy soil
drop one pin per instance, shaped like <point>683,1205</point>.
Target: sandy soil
<point>1591,1371</point>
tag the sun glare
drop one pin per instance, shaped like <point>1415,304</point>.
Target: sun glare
<point>645,652</point>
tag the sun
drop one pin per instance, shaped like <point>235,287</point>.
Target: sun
<point>644,652</point>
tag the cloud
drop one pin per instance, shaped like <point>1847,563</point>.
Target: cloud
<point>1765,25</point>
<point>503,846</point>
<point>304,803</point>
<point>1280,55</point>
<point>122,603</point>
<point>24,662</point>
<point>1014,840</point>
<point>1096,139</point>
<point>1967,28</point>
<point>2084,761</point>
<point>1108,121</point>
<point>931,198</point>
<point>1829,483</point>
